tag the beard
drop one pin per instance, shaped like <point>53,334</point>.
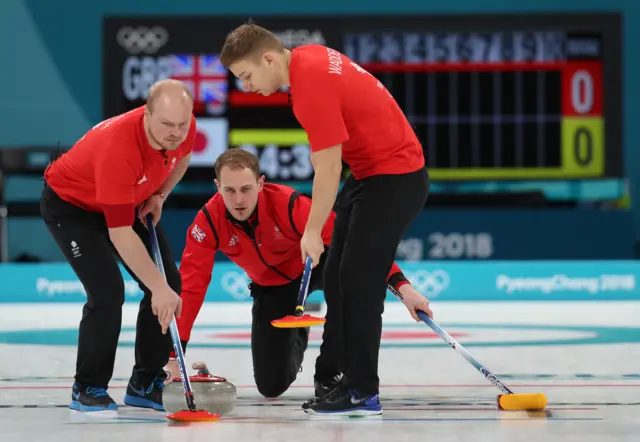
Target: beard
<point>164,145</point>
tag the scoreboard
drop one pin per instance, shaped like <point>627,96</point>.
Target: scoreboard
<point>490,97</point>
<point>487,115</point>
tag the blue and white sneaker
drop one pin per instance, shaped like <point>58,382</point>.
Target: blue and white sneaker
<point>91,399</point>
<point>345,402</point>
<point>145,397</point>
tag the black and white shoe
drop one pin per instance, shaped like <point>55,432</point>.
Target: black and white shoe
<point>326,387</point>
<point>323,388</point>
<point>346,402</point>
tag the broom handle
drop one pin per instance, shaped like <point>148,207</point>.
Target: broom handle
<point>304,286</point>
<point>457,347</point>
<point>173,328</point>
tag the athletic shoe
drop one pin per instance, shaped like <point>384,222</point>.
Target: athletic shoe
<point>142,396</point>
<point>91,399</point>
<point>325,387</point>
<point>345,402</point>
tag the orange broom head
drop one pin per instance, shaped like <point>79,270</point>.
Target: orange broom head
<point>193,416</point>
<point>535,401</point>
<point>292,321</point>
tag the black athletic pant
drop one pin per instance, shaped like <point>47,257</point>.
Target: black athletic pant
<point>83,237</point>
<point>372,216</point>
<point>278,352</point>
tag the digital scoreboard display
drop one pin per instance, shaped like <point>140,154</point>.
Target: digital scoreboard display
<point>490,97</point>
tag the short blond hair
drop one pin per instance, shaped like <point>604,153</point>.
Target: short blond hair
<point>166,86</point>
<point>237,159</point>
<point>247,41</point>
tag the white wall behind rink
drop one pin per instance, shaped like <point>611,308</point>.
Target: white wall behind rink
<point>596,313</point>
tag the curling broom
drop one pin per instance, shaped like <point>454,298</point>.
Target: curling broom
<point>192,414</point>
<point>506,401</point>
<point>300,319</point>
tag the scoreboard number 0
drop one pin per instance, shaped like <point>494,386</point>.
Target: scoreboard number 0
<point>582,91</point>
<point>582,101</point>
<point>583,146</point>
<point>583,132</point>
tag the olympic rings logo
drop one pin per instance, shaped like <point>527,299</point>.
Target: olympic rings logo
<point>142,39</point>
<point>236,284</point>
<point>430,284</point>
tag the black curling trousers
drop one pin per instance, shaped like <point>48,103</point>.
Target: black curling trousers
<point>278,353</point>
<point>83,238</point>
<point>372,216</point>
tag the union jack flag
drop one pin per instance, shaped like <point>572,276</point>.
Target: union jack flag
<point>207,79</point>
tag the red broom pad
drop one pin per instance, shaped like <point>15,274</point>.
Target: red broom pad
<point>300,319</point>
<point>193,416</point>
<point>292,321</point>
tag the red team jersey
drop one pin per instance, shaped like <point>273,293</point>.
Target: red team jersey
<point>113,168</point>
<point>269,252</point>
<point>338,102</point>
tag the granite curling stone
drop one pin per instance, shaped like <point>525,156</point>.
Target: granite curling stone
<point>211,393</point>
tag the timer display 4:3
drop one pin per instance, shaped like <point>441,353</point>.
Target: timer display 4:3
<point>283,162</point>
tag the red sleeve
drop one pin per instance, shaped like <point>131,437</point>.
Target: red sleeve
<point>396,278</point>
<point>316,104</point>
<point>300,216</point>
<point>119,215</point>
<point>195,271</point>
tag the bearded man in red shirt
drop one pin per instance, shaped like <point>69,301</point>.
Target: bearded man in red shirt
<point>94,201</point>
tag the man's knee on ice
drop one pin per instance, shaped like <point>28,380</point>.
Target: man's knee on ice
<point>272,389</point>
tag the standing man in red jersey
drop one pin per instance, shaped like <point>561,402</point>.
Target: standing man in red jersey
<point>348,115</point>
<point>258,226</point>
<point>127,164</point>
